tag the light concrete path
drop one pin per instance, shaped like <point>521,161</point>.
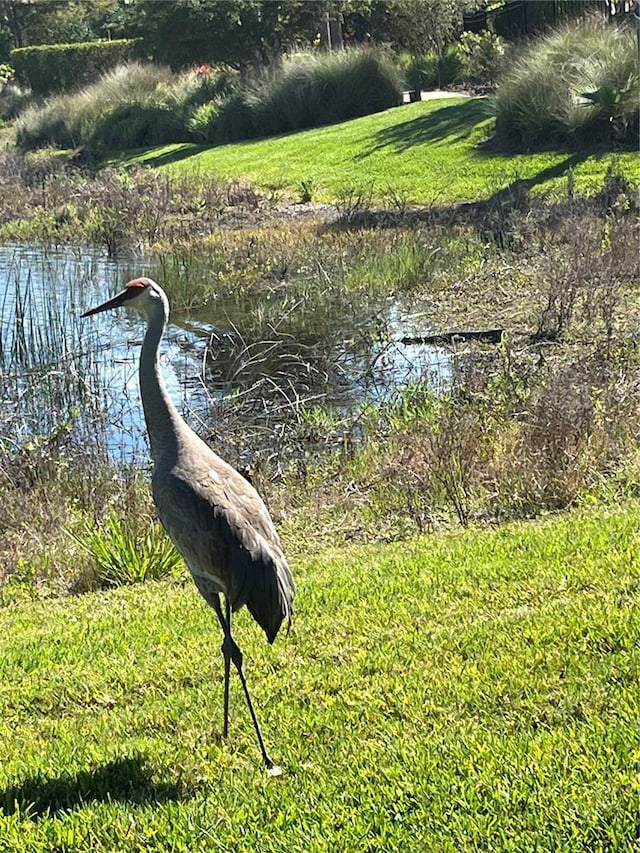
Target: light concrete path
<point>435,94</point>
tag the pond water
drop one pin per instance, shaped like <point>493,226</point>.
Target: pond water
<point>56,368</point>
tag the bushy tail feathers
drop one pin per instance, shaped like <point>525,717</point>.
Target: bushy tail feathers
<point>271,602</point>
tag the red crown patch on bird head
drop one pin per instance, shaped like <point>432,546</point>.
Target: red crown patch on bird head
<point>136,286</point>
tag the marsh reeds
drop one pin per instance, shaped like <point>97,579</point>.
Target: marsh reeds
<point>45,197</point>
<point>44,373</point>
<point>57,449</point>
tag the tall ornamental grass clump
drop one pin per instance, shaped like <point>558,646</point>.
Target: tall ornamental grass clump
<point>577,84</point>
<point>308,90</point>
<point>131,106</point>
<point>140,105</point>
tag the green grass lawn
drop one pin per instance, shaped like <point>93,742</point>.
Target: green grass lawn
<point>474,691</point>
<point>426,152</point>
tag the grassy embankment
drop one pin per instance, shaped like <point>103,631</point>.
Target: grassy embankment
<point>470,692</point>
<point>421,153</point>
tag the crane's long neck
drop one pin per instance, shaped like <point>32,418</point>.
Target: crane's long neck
<point>162,418</point>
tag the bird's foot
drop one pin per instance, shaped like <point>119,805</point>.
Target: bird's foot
<point>273,769</point>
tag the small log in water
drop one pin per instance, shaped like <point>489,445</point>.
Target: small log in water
<point>490,336</point>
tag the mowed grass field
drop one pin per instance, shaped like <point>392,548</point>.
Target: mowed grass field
<point>429,152</point>
<point>471,691</point>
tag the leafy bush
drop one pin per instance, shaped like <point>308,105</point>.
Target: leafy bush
<point>55,67</point>
<point>419,72</point>
<point>428,71</point>
<point>578,83</point>
<point>481,56</point>
<point>203,120</point>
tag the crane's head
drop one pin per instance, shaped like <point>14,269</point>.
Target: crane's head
<point>143,294</point>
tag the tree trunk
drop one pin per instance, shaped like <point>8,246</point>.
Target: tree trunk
<point>14,24</point>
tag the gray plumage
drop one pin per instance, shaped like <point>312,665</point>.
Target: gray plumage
<point>213,515</point>
<point>220,525</point>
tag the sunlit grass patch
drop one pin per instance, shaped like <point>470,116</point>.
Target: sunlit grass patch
<point>442,693</point>
<point>425,153</point>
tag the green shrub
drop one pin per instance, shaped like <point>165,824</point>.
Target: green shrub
<point>56,67</point>
<point>578,83</point>
<point>202,121</point>
<point>481,56</point>
<point>428,71</point>
<point>450,66</point>
<point>419,72</point>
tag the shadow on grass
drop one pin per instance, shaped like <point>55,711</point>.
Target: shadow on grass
<point>454,120</point>
<point>180,152</point>
<point>125,780</point>
<point>459,118</point>
<point>490,214</point>
<point>541,177</point>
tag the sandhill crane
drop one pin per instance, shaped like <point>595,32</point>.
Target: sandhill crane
<point>213,515</point>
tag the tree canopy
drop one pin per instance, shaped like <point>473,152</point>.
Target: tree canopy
<point>236,32</point>
<point>33,22</point>
<point>244,32</point>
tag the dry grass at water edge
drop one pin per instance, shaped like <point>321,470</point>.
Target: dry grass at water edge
<point>543,422</point>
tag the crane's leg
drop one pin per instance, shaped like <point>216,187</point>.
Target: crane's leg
<point>227,673</point>
<point>231,652</point>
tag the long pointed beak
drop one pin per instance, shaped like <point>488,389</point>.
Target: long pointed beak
<point>115,302</point>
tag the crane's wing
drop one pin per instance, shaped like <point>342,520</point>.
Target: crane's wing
<point>222,528</point>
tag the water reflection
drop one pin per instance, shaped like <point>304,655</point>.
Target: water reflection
<point>56,368</point>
